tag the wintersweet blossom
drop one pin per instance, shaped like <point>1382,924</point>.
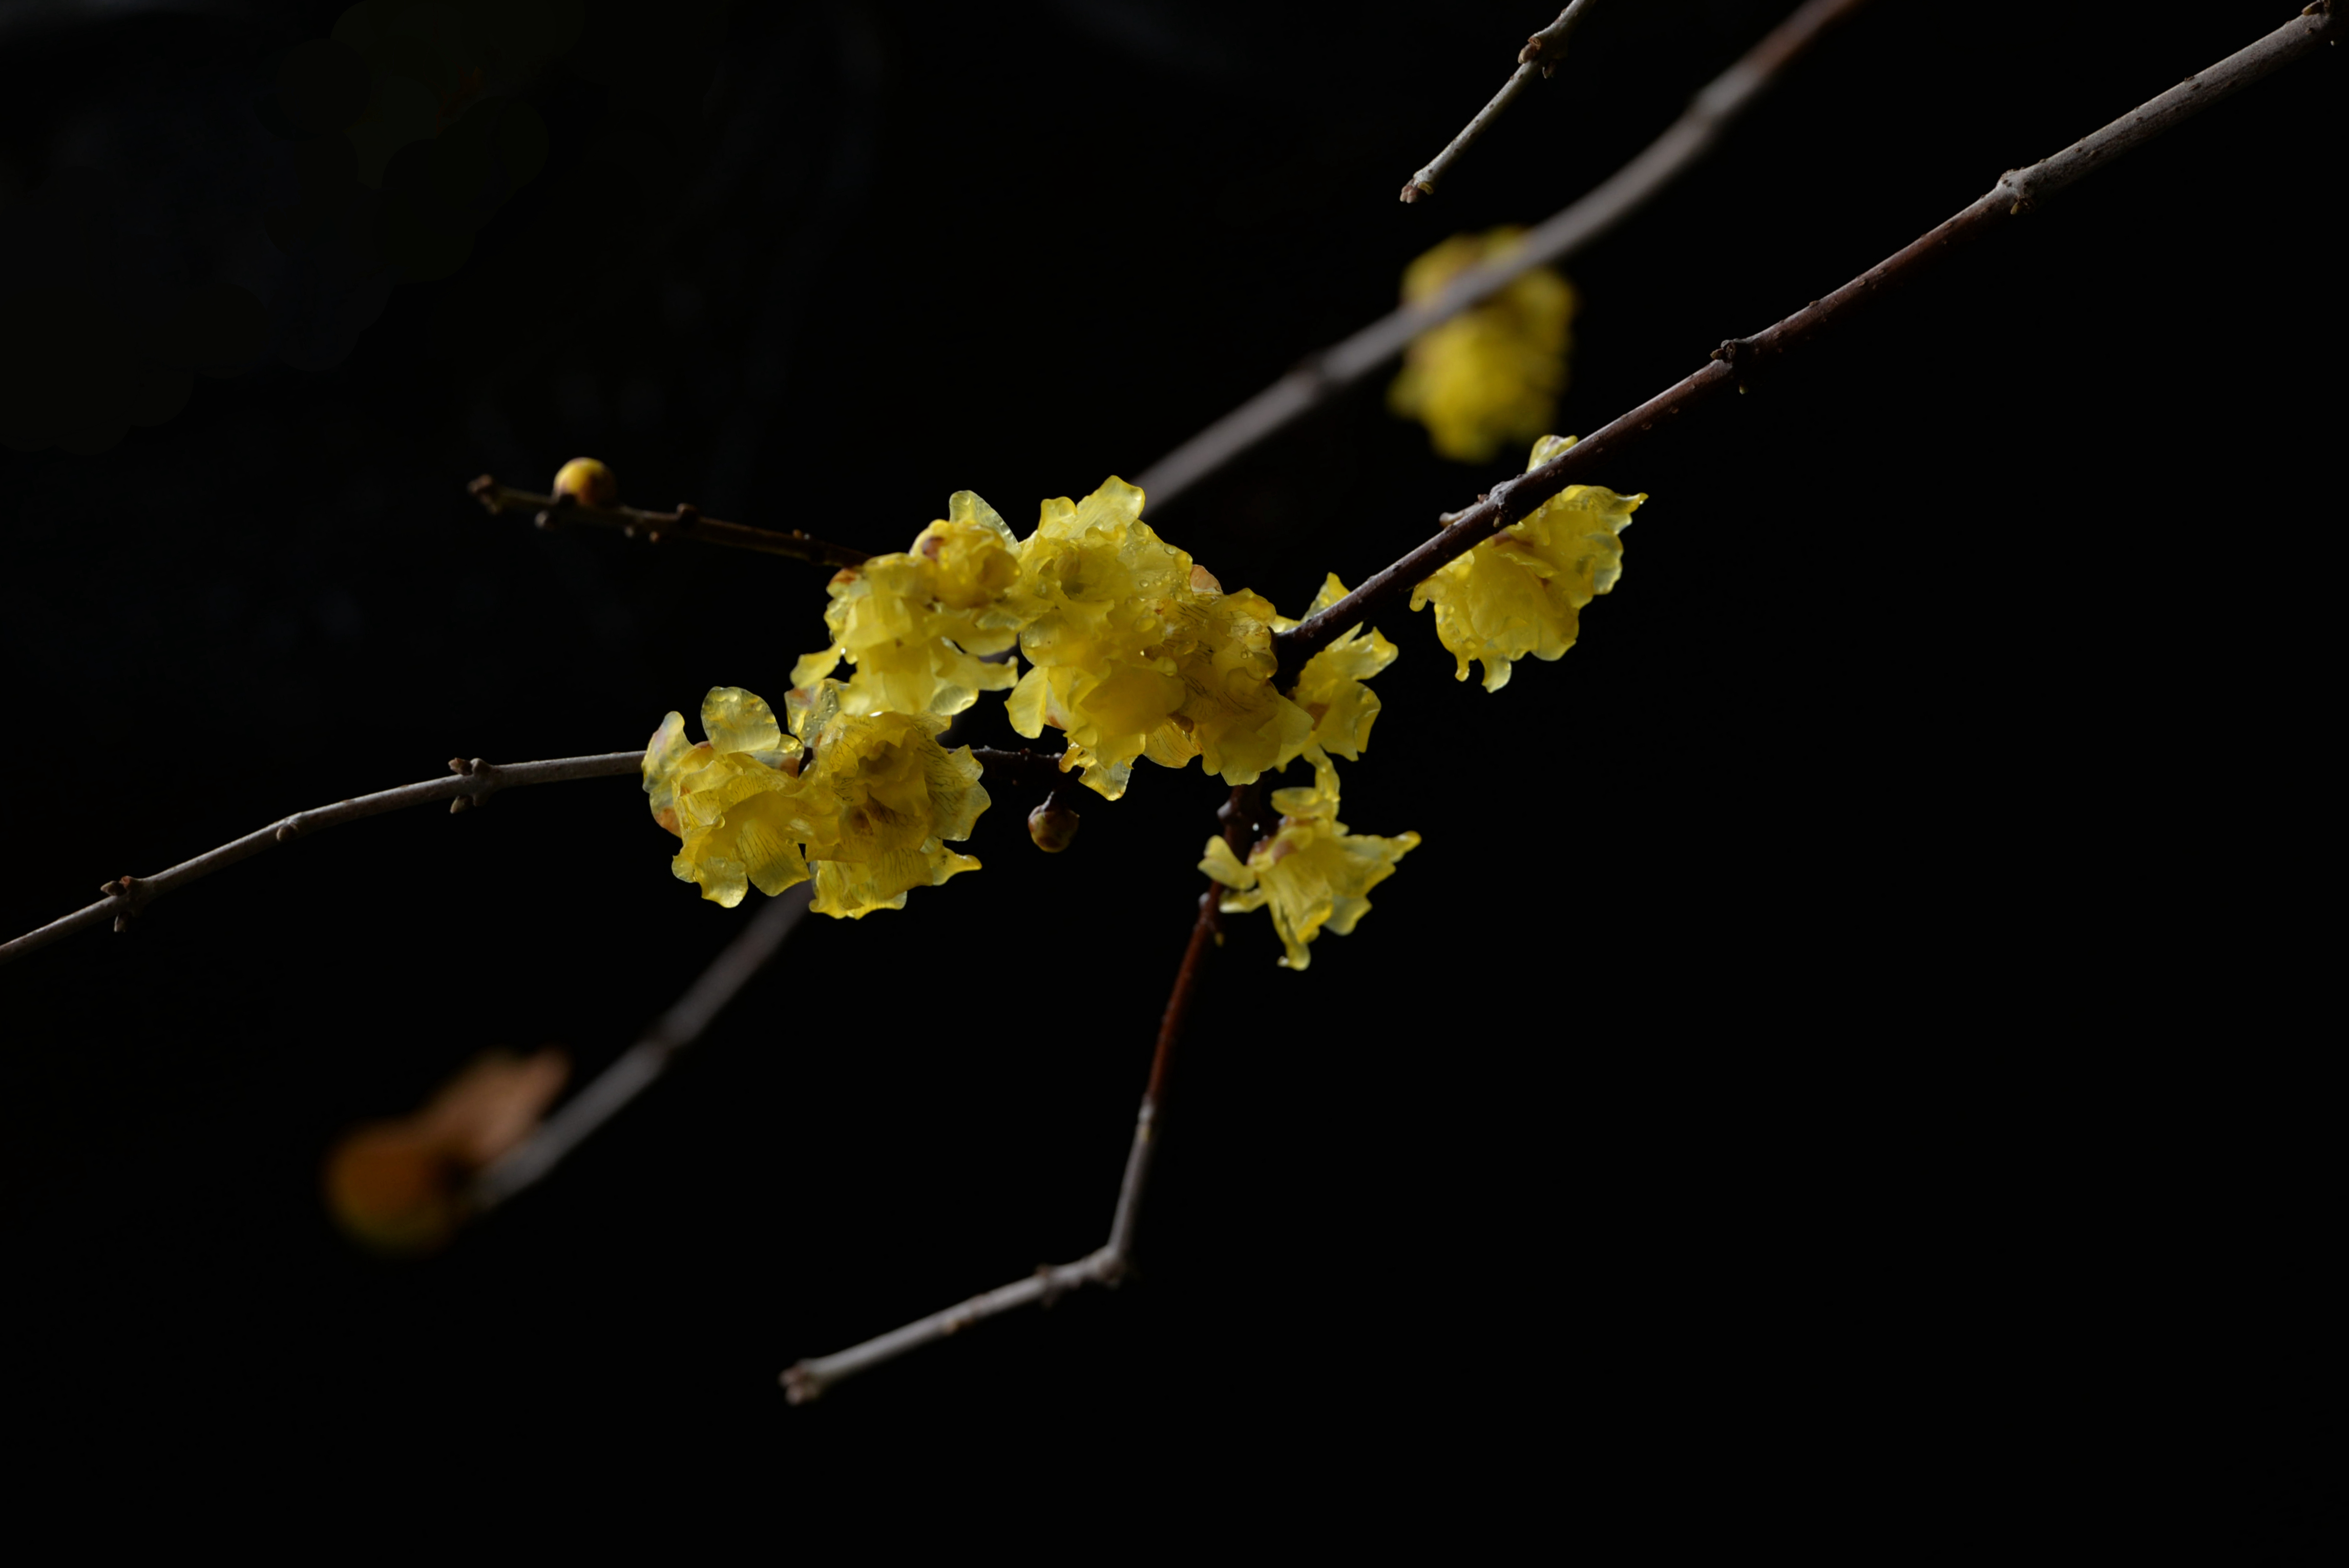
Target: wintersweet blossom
<point>1329,688</point>
<point>1312,873</point>
<point>863,803</point>
<point>1492,374</point>
<point>735,799</point>
<point>1522,591</point>
<point>1095,583</point>
<point>893,796</point>
<point>917,625</point>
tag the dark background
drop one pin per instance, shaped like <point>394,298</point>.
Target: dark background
<point>1843,1032</point>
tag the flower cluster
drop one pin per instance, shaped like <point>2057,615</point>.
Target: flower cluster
<point>1491,375</point>
<point>1522,591</point>
<point>1134,651</point>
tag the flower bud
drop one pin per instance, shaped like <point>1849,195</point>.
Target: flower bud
<point>588,482</point>
<point>1052,826</point>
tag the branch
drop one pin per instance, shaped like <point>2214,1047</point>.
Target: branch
<point>1322,376</point>
<point>1539,57</point>
<point>471,784</point>
<point>653,1054</point>
<point>2016,193</point>
<point>685,523</point>
<point>1113,1261</point>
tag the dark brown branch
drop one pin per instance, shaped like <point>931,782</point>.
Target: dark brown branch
<point>1111,1263</point>
<point>2017,191</point>
<point>655,1052</point>
<point>471,782</point>
<point>685,523</point>
<point>1324,374</point>
<point>1539,57</point>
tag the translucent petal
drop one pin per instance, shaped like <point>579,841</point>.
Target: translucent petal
<point>737,720</point>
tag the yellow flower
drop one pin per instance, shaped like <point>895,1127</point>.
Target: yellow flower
<point>1329,688</point>
<point>735,799</point>
<point>1095,589</point>
<point>892,794</point>
<point>1522,591</point>
<point>1492,374</point>
<point>917,624</point>
<point>1312,873</point>
<point>1232,717</point>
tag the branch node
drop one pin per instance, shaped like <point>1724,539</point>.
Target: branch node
<point>285,831</point>
<point>687,514</point>
<point>122,922</point>
<point>543,518</point>
<point>799,1386</point>
<point>463,803</point>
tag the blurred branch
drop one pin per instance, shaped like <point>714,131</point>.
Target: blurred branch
<point>685,523</point>
<point>1738,358</point>
<point>1539,57</point>
<point>1021,768</point>
<point>1112,1261</point>
<point>472,783</point>
<point>1323,376</point>
<point>653,1053</point>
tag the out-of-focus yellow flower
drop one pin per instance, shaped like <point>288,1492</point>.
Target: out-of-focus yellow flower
<point>1095,590</point>
<point>1492,374</point>
<point>893,793</point>
<point>735,799</point>
<point>917,624</point>
<point>1522,591</point>
<point>1312,872</point>
<point>1329,688</point>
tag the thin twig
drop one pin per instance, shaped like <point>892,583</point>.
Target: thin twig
<point>1113,1261</point>
<point>1737,359</point>
<point>471,782</point>
<point>655,1052</point>
<point>685,523</point>
<point>1322,376</point>
<point>1539,57</point>
<point>1021,768</point>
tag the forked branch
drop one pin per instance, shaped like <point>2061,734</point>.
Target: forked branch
<point>1539,57</point>
<point>1739,359</point>
<point>1323,376</point>
<point>1110,1262</point>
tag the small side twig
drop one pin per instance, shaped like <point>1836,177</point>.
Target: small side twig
<point>2016,193</point>
<point>1021,768</point>
<point>685,523</point>
<point>653,1053</point>
<point>1539,57</point>
<point>1324,374</point>
<point>1113,1261</point>
<point>471,782</point>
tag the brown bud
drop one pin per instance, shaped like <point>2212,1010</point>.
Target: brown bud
<point>1052,826</point>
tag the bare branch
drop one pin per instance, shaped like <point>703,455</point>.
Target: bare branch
<point>1323,376</point>
<point>1736,360</point>
<point>1539,57</point>
<point>1109,1263</point>
<point>685,523</point>
<point>653,1054</point>
<point>471,782</point>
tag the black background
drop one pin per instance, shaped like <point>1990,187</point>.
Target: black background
<point>1840,1042</point>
